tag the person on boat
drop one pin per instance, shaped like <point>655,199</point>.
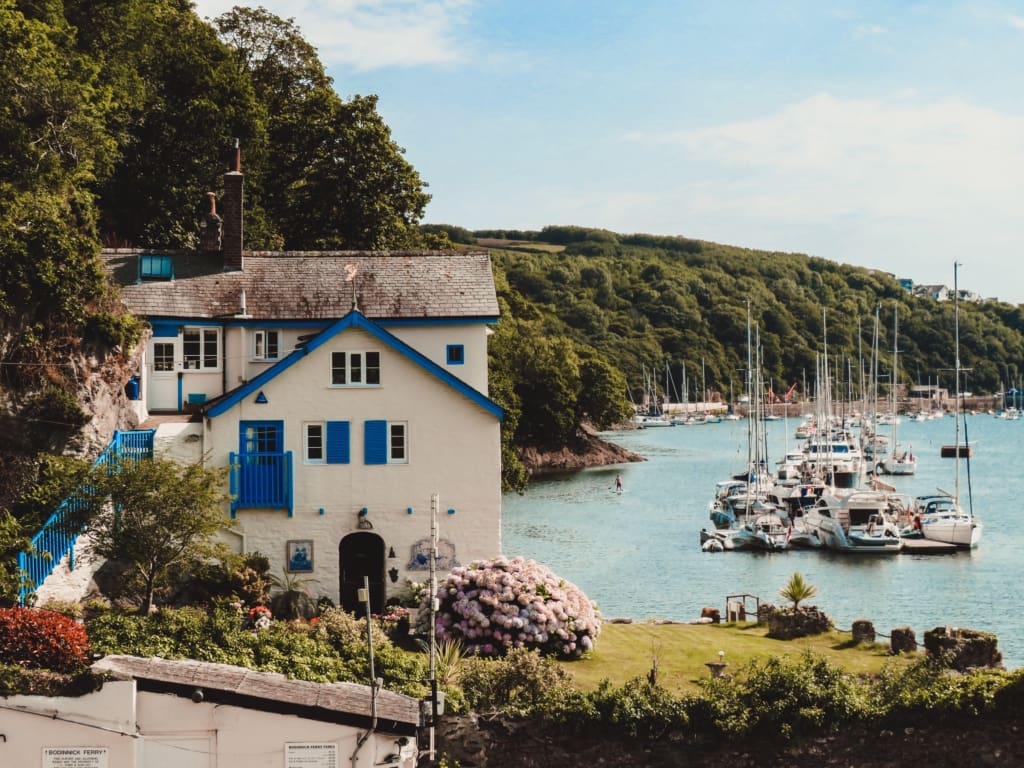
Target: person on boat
<point>618,483</point>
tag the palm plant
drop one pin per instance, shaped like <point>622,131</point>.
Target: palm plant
<point>797,590</point>
<point>293,600</point>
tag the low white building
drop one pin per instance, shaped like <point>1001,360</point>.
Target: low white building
<point>158,713</point>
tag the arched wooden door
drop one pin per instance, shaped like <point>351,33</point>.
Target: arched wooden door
<point>361,554</point>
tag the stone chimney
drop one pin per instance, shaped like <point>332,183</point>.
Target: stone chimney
<point>231,204</point>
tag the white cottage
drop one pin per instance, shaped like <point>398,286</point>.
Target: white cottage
<point>347,391</point>
<point>159,713</point>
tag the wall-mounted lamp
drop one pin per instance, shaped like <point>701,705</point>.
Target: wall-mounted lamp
<point>408,510</point>
<point>393,574</point>
<point>391,553</point>
<point>451,511</point>
<point>321,510</point>
<point>197,695</point>
<point>364,522</point>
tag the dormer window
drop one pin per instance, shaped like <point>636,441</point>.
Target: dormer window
<point>355,369</point>
<point>154,267</point>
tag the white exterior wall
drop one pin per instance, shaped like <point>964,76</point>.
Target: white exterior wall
<point>150,730</point>
<point>433,341</point>
<point>103,719</point>
<point>453,447</point>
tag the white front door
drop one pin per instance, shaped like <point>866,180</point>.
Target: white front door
<point>162,392</point>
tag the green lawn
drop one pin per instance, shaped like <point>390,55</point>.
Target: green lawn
<point>625,651</point>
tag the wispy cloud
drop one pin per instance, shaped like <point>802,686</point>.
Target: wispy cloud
<point>374,34</point>
<point>869,30</point>
<point>869,156</point>
<point>1017,22</point>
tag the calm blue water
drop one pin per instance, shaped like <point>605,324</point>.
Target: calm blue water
<point>638,554</point>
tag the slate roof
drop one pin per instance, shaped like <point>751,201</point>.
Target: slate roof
<point>347,703</point>
<point>313,285</point>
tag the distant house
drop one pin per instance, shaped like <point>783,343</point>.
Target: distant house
<point>190,714</point>
<point>907,283</point>
<point>934,292</point>
<point>346,391</point>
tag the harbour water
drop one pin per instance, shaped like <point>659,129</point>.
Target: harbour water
<point>637,554</point>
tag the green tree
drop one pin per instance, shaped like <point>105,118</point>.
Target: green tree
<point>334,177</point>
<point>180,104</point>
<point>161,514</point>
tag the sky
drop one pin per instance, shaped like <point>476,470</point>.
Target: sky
<point>888,135</point>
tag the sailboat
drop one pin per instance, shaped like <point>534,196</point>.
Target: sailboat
<point>898,462</point>
<point>941,517</point>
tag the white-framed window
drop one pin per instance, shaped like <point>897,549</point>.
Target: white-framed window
<point>200,348</point>
<point>355,369</point>
<point>163,356</point>
<point>266,345</point>
<point>398,452</point>
<point>313,440</point>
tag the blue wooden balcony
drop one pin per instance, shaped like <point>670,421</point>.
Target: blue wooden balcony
<point>262,480</point>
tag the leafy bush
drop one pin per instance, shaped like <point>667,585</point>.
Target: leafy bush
<point>333,648</point>
<point>38,639</point>
<point>781,697</point>
<point>495,606</point>
<point>919,692</point>
<point>639,710</point>
<point>521,683</point>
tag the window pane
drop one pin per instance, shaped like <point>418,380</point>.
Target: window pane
<point>373,367</point>
<point>190,348</point>
<point>397,442</point>
<point>163,357</point>
<point>272,345</point>
<point>210,348</point>
<point>314,442</point>
<point>355,368</point>
<point>338,368</point>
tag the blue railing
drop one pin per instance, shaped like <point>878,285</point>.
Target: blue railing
<point>261,480</point>
<point>57,538</point>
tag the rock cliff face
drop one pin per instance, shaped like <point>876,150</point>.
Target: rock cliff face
<point>97,385</point>
<point>588,451</point>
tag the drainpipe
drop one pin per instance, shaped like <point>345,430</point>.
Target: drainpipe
<point>373,678</point>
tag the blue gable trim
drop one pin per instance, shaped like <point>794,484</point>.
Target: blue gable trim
<point>353,319</point>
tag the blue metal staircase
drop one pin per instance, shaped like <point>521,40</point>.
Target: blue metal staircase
<point>54,539</point>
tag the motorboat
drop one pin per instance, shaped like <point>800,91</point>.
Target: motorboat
<point>862,522</point>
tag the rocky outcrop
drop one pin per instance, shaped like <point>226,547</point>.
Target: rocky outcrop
<point>589,450</point>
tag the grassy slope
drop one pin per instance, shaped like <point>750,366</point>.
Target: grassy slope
<point>625,651</point>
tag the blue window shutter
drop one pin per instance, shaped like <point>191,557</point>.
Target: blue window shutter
<point>337,442</point>
<point>376,442</point>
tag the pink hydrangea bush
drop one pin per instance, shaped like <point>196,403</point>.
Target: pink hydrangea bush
<point>492,606</point>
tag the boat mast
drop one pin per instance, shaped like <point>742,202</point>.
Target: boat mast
<point>895,368</point>
<point>956,373</point>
